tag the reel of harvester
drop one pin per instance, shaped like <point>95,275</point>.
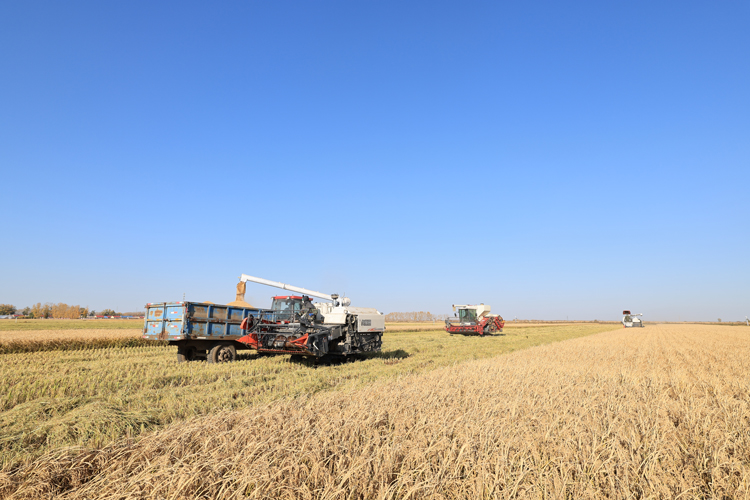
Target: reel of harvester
<point>474,320</point>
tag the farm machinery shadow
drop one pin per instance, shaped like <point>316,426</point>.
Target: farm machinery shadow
<point>392,356</point>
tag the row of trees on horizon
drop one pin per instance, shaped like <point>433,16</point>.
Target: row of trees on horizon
<point>408,317</point>
<point>55,311</point>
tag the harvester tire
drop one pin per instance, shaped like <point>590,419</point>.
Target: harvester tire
<point>185,354</point>
<point>222,353</point>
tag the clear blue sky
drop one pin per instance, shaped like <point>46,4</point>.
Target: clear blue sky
<point>552,159</point>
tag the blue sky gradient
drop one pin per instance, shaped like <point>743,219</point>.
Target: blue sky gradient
<point>553,159</point>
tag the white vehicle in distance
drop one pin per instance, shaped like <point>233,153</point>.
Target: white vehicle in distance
<point>630,320</point>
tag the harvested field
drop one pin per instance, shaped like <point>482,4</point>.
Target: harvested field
<point>660,412</point>
<point>90,397</point>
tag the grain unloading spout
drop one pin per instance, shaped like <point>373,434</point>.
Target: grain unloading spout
<point>239,299</point>
<point>333,297</point>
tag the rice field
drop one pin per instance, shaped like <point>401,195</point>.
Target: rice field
<point>69,339</point>
<point>103,389</point>
<point>659,412</point>
<point>40,325</point>
<point>71,335</point>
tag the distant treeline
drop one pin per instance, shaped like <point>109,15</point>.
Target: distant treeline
<point>56,311</point>
<point>406,317</point>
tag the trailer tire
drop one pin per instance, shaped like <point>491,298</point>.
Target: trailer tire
<point>222,353</point>
<point>185,354</point>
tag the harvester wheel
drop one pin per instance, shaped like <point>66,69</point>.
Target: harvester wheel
<point>185,354</point>
<point>222,353</point>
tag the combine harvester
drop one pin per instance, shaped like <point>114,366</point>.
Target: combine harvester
<point>631,320</point>
<point>474,320</point>
<point>293,325</point>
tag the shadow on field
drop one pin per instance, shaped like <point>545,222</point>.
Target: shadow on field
<point>394,356</point>
<point>397,354</point>
<point>249,355</point>
<point>459,335</point>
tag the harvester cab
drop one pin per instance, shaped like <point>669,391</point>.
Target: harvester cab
<point>467,316</point>
<point>474,320</point>
<point>286,307</point>
<point>630,320</point>
<point>293,308</point>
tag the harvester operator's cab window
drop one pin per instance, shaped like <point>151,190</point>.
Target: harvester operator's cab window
<point>467,316</point>
<point>283,309</point>
<point>280,305</point>
<point>286,307</point>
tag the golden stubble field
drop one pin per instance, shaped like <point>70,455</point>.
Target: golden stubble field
<point>659,412</point>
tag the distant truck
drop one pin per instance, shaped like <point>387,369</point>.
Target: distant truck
<point>293,325</point>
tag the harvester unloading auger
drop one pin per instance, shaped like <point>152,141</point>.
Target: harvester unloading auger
<point>474,320</point>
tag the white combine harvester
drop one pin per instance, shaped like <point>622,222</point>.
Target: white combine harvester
<point>319,329</point>
<point>630,320</point>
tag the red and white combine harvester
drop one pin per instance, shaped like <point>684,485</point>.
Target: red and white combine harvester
<point>474,320</point>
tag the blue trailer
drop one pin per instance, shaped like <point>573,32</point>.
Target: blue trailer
<point>202,330</point>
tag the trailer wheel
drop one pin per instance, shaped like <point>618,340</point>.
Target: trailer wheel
<point>185,354</point>
<point>222,353</point>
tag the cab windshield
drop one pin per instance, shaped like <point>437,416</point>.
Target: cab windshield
<point>467,315</point>
<point>285,308</point>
